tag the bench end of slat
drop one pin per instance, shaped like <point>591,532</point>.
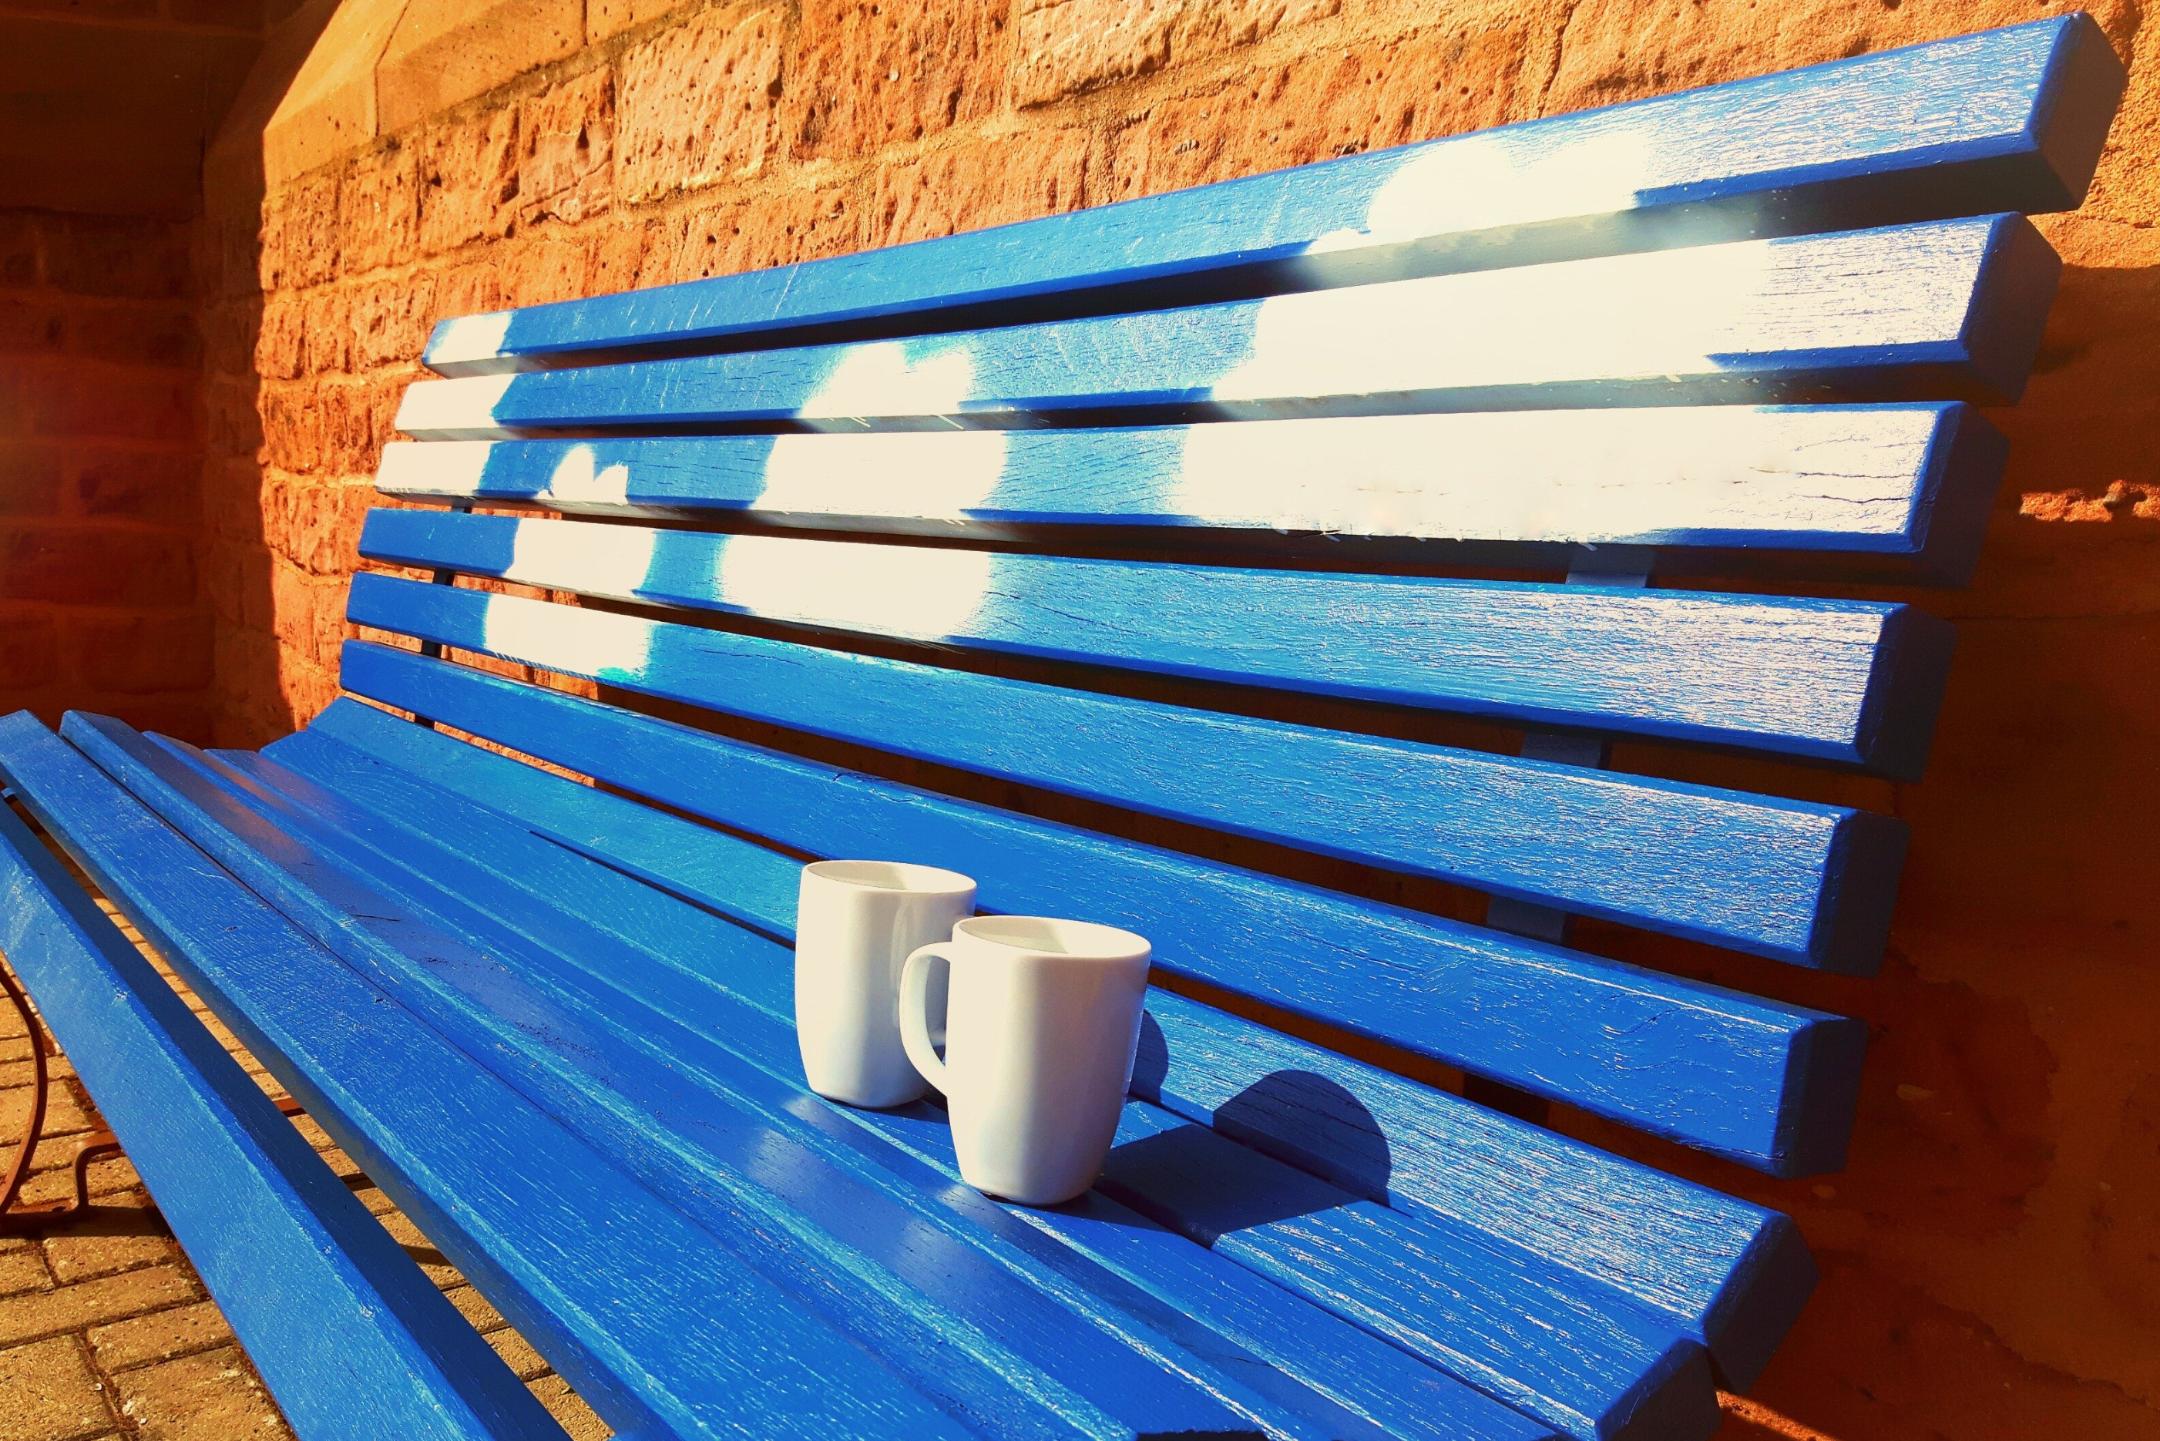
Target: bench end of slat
<point>1823,1083</point>
<point>2085,84</point>
<point>2009,309</point>
<point>1964,475</point>
<point>1905,692</point>
<point>1762,1299</point>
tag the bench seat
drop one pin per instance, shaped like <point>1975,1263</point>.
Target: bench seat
<point>1265,568</point>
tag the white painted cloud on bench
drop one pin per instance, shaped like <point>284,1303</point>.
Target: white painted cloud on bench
<point>916,592</point>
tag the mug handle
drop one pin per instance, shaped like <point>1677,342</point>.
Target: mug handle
<point>915,1010</point>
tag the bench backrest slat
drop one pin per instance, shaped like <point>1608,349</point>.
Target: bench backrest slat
<point>1944,310</point>
<point>1776,878</point>
<point>1838,680</point>
<point>1908,485</point>
<point>2007,120</point>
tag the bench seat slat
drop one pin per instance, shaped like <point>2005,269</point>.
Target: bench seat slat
<point>1777,878</point>
<point>1856,682</point>
<point>1598,1366</point>
<point>640,1310</point>
<point>381,1353</point>
<point>1764,1083</point>
<point>617,1046</point>
<point>1908,484</point>
<point>1466,1301</point>
<point>1861,141</point>
<point>1944,310</point>
<point>1426,1157</point>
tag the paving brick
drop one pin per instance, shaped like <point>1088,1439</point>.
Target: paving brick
<point>568,1409</point>
<point>213,1396</point>
<point>94,1302</point>
<point>475,1308</point>
<point>49,1393</point>
<point>121,1232</point>
<point>22,1268</point>
<point>160,1336</point>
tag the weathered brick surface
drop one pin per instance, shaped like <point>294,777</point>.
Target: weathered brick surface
<point>1065,47</point>
<point>700,103</point>
<point>861,77</point>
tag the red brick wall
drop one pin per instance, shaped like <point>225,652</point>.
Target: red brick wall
<point>99,470</point>
<point>1992,1268</point>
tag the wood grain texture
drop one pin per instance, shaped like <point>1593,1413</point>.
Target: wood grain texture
<point>1758,874</point>
<point>614,1046</point>
<point>1720,1269</point>
<point>634,1305</point>
<point>1903,484</point>
<point>1857,682</point>
<point>1943,310</point>
<point>354,1339</point>
<point>2010,119</point>
<point>1764,1083</point>
<point>685,994</point>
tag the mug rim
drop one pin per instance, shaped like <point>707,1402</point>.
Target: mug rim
<point>1112,943</point>
<point>918,879</point>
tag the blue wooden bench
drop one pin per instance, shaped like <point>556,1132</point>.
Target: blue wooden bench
<point>1140,622</point>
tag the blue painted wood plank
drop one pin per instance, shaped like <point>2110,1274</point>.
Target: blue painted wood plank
<point>1909,484</point>
<point>688,993</point>
<point>1756,873</point>
<point>2009,119</point>
<point>591,1041</point>
<point>640,1310</point>
<point>1944,310</point>
<point>1765,1083</point>
<point>1718,1269</point>
<point>1582,1357</point>
<point>380,1352</point>
<point>1857,682</point>
<point>1725,1272</point>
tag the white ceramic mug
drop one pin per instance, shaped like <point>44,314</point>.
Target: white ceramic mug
<point>1041,1021</point>
<point>855,923</point>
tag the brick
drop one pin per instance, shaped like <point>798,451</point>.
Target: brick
<point>93,401</point>
<point>328,109</point>
<point>526,1363</point>
<point>22,1268</point>
<point>1067,47</point>
<point>475,1308</point>
<point>137,259</point>
<point>29,650</point>
<point>232,419</point>
<point>20,235</point>
<point>213,1396</point>
<point>226,14</point>
<point>768,230</point>
<point>862,77</point>
<point>308,614</point>
<point>159,1336</point>
<point>326,328</point>
<point>162,336</point>
<point>31,477</point>
<point>605,18</point>
<point>94,1302</point>
<point>125,1233</point>
<point>568,1408</point>
<point>379,209</point>
<point>327,429</point>
<point>301,239</point>
<point>468,180</point>
<point>141,654</point>
<point>29,326</point>
<point>540,269</point>
<point>231,327</point>
<point>158,487</point>
<point>699,103</point>
<point>48,1393</point>
<point>1317,106</point>
<point>390,321</point>
<point>440,55</point>
<point>281,342</point>
<point>566,161</point>
<point>93,565</point>
<point>1019,177</point>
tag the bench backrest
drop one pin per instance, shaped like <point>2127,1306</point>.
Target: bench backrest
<point>1142,618</point>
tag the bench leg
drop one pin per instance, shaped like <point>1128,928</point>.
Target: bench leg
<point>94,1146</point>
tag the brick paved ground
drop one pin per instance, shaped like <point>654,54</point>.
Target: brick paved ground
<point>106,1330</point>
